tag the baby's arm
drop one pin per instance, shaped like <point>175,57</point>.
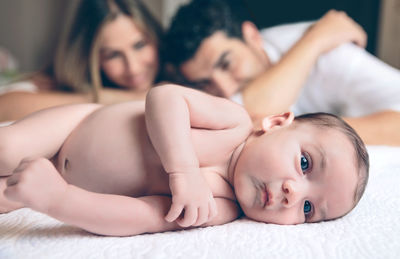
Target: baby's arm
<point>38,185</point>
<point>116,215</point>
<point>40,134</point>
<point>171,112</point>
<point>275,90</point>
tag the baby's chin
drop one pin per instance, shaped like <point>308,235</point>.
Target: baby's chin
<point>271,218</point>
<point>276,222</point>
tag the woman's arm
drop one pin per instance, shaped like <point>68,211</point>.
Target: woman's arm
<point>15,105</point>
<point>275,90</point>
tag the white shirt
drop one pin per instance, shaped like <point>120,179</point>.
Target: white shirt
<point>347,81</point>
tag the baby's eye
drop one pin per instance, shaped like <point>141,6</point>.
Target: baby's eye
<point>304,163</point>
<point>308,209</point>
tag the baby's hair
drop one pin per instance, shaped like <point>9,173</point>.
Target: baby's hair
<point>362,159</point>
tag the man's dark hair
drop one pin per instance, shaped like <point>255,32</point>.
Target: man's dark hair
<point>198,20</point>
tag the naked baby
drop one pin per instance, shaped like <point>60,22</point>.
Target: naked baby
<point>182,159</point>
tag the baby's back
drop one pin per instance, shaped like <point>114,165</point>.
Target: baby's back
<point>110,152</point>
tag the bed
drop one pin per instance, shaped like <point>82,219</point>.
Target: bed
<point>371,230</point>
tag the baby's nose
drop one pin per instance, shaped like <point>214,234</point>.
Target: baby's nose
<point>291,193</point>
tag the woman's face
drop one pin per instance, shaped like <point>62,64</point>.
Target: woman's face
<point>127,56</point>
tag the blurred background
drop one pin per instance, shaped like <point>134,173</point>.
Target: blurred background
<point>29,29</point>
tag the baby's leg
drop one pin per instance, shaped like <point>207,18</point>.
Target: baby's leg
<point>40,134</point>
<point>5,204</point>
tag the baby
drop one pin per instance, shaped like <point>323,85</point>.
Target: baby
<point>182,159</point>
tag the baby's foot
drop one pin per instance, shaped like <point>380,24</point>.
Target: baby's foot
<point>6,205</point>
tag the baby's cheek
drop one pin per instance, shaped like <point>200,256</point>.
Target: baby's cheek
<point>284,217</point>
<point>244,192</point>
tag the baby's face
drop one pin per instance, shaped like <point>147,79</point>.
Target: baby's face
<point>293,175</point>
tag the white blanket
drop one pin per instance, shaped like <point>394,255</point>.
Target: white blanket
<point>371,230</point>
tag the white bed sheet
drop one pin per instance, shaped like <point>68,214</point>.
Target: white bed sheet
<point>371,230</point>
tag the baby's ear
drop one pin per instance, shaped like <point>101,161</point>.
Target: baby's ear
<point>277,121</point>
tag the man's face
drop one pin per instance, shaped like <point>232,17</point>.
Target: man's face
<point>297,174</point>
<point>222,66</point>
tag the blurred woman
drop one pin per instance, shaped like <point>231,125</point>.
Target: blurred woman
<point>108,53</point>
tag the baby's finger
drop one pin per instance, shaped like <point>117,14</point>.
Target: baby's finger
<point>213,210</point>
<point>189,218</point>
<point>202,216</point>
<point>174,212</point>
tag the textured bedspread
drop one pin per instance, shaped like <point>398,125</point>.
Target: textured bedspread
<point>371,230</point>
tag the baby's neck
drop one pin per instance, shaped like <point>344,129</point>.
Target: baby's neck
<point>233,162</point>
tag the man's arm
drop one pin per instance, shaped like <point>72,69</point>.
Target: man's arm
<point>381,128</point>
<point>275,90</point>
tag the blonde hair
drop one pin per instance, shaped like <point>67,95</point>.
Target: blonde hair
<point>76,65</point>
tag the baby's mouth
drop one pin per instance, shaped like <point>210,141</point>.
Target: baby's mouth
<point>266,196</point>
<point>263,195</point>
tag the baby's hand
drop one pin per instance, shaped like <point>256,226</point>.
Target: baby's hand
<point>36,184</point>
<point>191,193</point>
<point>335,28</point>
